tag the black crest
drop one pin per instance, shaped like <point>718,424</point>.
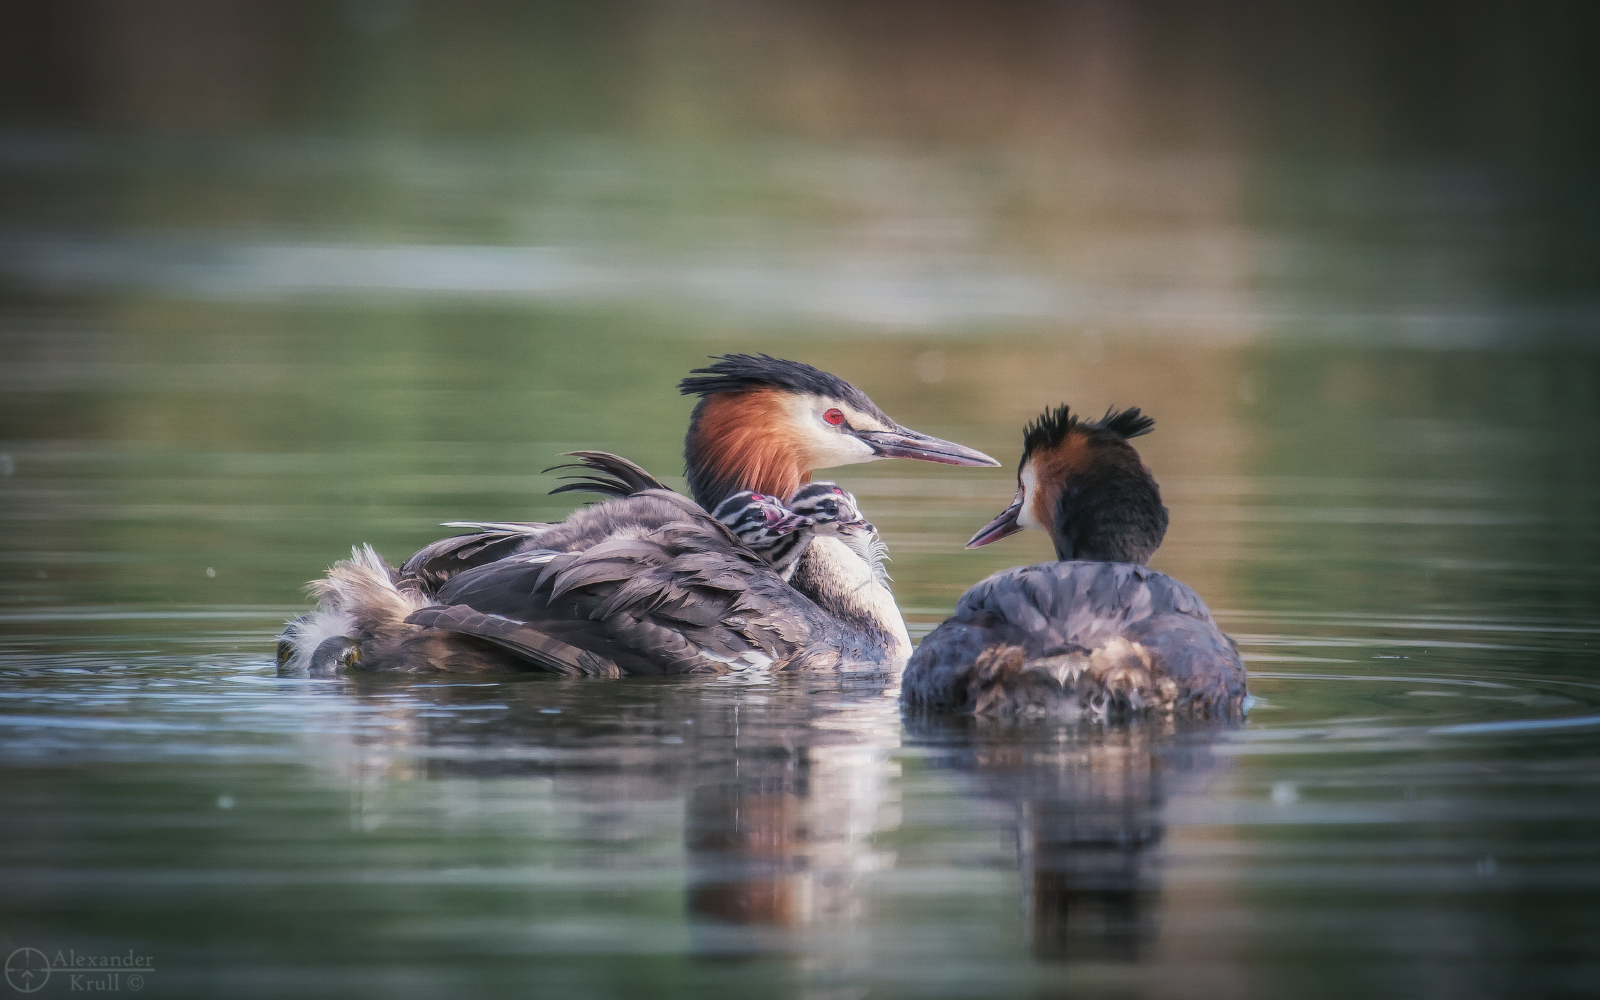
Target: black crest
<point>743,372</point>
<point>1052,426</point>
<point>1130,423</point>
<point>1109,507</point>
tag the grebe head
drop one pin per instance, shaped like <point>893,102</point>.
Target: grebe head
<point>763,424</point>
<point>1082,483</point>
<point>831,509</point>
<point>307,649</point>
<point>333,655</point>
<point>315,645</point>
<point>758,520</point>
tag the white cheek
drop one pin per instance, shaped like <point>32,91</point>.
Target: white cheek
<point>833,448</point>
<point>825,445</point>
<point>1025,517</point>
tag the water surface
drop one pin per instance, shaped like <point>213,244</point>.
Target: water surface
<point>1378,449</point>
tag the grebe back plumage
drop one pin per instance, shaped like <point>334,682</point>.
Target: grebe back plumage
<point>651,584</point>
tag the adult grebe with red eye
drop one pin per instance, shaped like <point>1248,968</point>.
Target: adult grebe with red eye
<point>834,416</point>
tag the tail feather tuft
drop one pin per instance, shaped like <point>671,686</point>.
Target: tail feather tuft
<point>361,590</point>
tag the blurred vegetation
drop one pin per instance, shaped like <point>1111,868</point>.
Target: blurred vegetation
<point>1350,80</point>
<point>280,277</point>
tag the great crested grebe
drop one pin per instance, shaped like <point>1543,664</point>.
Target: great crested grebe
<point>1097,634</point>
<point>649,582</point>
<point>365,580</point>
<point>364,621</point>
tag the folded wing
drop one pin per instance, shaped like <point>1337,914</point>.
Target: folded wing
<point>646,584</point>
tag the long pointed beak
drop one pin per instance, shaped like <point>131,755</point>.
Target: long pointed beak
<point>1000,527</point>
<point>904,442</point>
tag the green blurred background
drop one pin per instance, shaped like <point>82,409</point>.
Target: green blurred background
<point>280,277</point>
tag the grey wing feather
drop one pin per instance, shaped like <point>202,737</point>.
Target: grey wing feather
<point>620,559</point>
<point>649,583</point>
<point>543,650</point>
<point>513,527</point>
<point>677,598</point>
<point>433,565</point>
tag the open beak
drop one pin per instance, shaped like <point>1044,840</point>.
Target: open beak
<point>1000,527</point>
<point>790,524</point>
<point>902,442</point>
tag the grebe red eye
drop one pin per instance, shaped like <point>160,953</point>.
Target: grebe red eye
<point>834,416</point>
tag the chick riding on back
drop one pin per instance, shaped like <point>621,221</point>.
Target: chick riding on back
<point>649,582</point>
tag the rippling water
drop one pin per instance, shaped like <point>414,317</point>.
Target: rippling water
<point>1401,538</point>
<point>1407,803</point>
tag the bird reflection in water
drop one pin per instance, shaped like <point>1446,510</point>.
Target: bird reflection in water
<point>763,853</point>
<point>785,791</point>
<point>779,834</point>
<point>783,783</point>
<point>1089,800</point>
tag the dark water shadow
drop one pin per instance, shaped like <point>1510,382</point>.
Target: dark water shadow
<point>1088,802</point>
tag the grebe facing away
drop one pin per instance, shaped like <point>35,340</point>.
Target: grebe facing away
<point>1098,634</point>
